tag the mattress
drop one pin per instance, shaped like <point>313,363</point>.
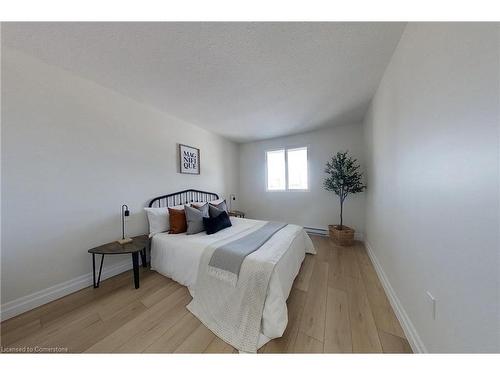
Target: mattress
<point>177,256</point>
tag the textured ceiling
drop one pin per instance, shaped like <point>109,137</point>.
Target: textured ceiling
<point>246,81</point>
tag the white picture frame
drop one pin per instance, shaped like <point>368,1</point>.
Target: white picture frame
<point>189,159</point>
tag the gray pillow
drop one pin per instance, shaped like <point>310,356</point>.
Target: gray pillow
<point>214,211</point>
<point>203,209</point>
<point>221,206</point>
<point>194,219</point>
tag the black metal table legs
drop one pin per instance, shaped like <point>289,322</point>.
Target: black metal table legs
<point>96,285</point>
<point>143,258</point>
<point>135,263</point>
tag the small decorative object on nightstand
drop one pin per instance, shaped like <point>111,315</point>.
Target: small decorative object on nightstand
<point>236,213</point>
<point>232,198</point>
<point>125,212</point>
<point>135,246</point>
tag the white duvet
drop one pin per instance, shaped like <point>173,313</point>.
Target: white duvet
<point>178,255</point>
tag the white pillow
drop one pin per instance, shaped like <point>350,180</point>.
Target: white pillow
<point>158,220</point>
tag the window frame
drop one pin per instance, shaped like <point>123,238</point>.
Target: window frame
<point>287,189</point>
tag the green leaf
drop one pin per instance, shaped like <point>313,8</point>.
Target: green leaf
<point>343,177</point>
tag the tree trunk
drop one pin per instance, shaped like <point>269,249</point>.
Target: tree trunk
<point>341,208</point>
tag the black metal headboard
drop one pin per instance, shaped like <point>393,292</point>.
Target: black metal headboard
<point>183,197</point>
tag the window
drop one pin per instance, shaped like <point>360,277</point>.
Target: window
<point>297,168</point>
<point>276,170</point>
<point>287,169</point>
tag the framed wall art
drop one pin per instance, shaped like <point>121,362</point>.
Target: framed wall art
<point>189,159</point>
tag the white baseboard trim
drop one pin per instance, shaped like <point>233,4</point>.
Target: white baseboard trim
<point>324,232</point>
<point>409,329</point>
<point>29,302</point>
<point>317,231</point>
<point>359,236</point>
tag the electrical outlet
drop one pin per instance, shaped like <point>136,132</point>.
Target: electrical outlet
<point>433,304</point>
<point>232,197</point>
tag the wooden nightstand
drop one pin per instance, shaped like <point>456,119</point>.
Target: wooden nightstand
<point>138,245</point>
<point>236,213</point>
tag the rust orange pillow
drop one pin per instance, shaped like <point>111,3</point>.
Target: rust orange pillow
<point>177,220</point>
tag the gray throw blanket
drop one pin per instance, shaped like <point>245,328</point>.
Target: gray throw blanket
<point>227,259</point>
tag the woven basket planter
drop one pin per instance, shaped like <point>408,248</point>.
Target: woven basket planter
<point>344,237</point>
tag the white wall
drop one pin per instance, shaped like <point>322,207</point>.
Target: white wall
<point>433,198</point>
<point>316,208</point>
<point>72,153</point>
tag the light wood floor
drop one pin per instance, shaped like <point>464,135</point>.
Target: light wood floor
<point>337,305</point>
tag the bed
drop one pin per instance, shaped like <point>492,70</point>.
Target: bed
<point>217,304</point>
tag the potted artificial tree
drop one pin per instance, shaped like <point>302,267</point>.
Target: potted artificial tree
<point>343,179</point>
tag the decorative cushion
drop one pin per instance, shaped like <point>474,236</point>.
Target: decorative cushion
<point>178,222</point>
<point>203,208</point>
<point>221,205</point>
<point>178,207</point>
<point>158,219</point>
<point>214,211</point>
<point>215,224</point>
<point>214,202</point>
<point>194,219</point>
<point>198,204</point>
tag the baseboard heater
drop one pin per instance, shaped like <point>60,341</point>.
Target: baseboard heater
<point>317,231</point>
